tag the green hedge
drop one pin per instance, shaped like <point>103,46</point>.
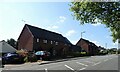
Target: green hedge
<point>30,58</point>
<point>78,54</point>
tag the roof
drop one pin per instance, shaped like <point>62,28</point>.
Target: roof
<point>42,33</point>
<point>4,47</point>
<point>87,41</point>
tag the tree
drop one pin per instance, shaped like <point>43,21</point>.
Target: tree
<point>12,42</point>
<point>107,13</point>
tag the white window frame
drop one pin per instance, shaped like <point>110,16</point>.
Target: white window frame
<point>38,40</point>
<point>44,41</point>
<point>56,43</point>
<point>51,42</point>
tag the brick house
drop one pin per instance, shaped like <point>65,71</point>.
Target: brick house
<point>88,46</point>
<point>35,39</point>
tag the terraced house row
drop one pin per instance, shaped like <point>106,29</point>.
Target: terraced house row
<point>36,39</point>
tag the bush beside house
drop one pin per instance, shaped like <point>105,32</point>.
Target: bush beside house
<point>27,56</point>
<point>78,54</point>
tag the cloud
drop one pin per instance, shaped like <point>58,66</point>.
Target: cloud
<point>61,19</point>
<point>70,32</point>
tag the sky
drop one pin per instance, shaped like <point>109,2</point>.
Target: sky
<point>52,16</point>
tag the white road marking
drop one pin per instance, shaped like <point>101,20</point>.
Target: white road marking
<point>81,64</point>
<point>88,61</point>
<point>92,56</point>
<point>69,67</point>
<point>46,70</point>
<point>82,68</point>
<point>106,60</point>
<point>96,63</point>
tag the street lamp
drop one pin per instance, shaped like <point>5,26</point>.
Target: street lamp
<point>81,39</point>
<point>82,33</point>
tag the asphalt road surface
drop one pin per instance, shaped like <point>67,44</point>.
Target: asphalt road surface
<point>105,62</point>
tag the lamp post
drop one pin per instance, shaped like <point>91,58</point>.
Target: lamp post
<point>81,38</point>
<point>82,33</point>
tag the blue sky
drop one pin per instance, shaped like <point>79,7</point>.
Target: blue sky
<point>53,16</point>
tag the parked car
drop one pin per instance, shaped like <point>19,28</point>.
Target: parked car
<point>43,55</point>
<point>12,58</point>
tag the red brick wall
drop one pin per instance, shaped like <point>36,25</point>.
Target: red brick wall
<point>25,40</point>
<point>47,46</point>
<point>92,50</point>
<point>83,45</point>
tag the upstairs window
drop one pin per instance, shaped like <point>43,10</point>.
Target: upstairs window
<point>56,43</point>
<point>44,41</point>
<point>51,42</point>
<point>37,40</point>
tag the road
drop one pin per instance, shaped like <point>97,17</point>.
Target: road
<point>106,62</point>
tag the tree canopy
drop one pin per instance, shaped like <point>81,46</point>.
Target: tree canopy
<point>12,42</point>
<point>107,13</point>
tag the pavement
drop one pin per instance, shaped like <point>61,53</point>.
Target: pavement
<point>105,62</point>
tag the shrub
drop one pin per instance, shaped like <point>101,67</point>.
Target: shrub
<point>83,53</point>
<point>76,54</point>
<point>103,53</point>
<point>32,57</point>
<point>26,59</point>
<point>27,56</point>
<point>22,53</point>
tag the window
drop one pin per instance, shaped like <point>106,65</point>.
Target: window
<point>56,43</point>
<point>51,42</point>
<point>44,41</point>
<point>37,40</point>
